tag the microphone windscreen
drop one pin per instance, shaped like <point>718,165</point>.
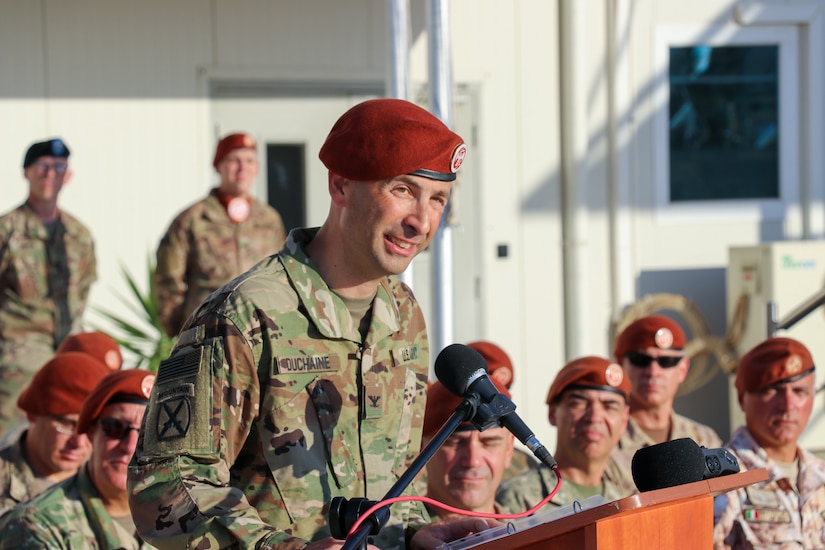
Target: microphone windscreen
<point>456,367</point>
<point>668,464</point>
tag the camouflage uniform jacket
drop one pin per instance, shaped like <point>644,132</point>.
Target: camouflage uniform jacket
<point>634,438</point>
<point>17,480</point>
<point>771,514</point>
<point>44,284</point>
<point>271,405</point>
<point>203,249</point>
<point>522,492</point>
<point>69,515</point>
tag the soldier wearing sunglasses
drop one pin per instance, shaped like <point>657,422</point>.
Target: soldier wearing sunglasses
<point>651,351</point>
<point>91,508</point>
<point>47,266</point>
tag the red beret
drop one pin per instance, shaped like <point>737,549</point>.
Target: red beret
<point>99,345</point>
<point>127,385</point>
<point>648,332</point>
<point>62,384</point>
<point>384,138</point>
<point>499,365</point>
<point>230,143</point>
<point>774,360</point>
<point>442,403</point>
<point>590,372</point>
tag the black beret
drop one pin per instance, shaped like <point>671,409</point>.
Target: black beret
<point>51,148</point>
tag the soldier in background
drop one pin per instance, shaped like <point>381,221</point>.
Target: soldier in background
<point>587,403</point>
<point>91,508</point>
<point>47,266</point>
<point>466,471</point>
<point>217,238</point>
<point>49,449</point>
<point>651,351</point>
<point>500,368</point>
<point>305,378</point>
<point>775,387</point>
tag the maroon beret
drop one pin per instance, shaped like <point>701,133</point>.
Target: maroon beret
<point>384,138</point>
<point>590,372</point>
<point>653,331</point>
<point>499,365</point>
<point>441,403</point>
<point>126,385</point>
<point>774,360</point>
<point>230,143</point>
<point>62,384</point>
<point>99,345</point>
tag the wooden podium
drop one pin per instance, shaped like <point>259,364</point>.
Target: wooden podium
<point>676,518</point>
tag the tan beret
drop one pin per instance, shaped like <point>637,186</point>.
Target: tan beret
<point>590,372</point>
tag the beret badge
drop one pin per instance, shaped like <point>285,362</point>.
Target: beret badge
<point>663,338</point>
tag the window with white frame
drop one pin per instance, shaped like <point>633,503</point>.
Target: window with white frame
<point>726,118</point>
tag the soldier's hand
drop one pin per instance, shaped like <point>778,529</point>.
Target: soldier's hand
<point>330,544</point>
<point>452,528</point>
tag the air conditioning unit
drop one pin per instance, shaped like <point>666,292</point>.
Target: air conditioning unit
<point>788,275</point>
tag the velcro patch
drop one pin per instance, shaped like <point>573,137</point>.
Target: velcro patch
<point>183,365</point>
<point>766,515</point>
<point>306,364</point>
<point>407,354</point>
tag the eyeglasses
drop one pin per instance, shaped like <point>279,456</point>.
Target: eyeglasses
<point>65,426</point>
<point>644,360</point>
<point>44,167</point>
<point>116,429</point>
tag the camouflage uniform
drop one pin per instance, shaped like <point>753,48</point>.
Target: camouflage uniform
<point>69,515</point>
<point>18,482</point>
<point>44,285</point>
<point>524,491</point>
<point>634,438</point>
<point>771,514</point>
<point>203,249</point>
<point>271,405</point>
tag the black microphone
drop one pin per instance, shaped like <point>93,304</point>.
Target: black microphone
<point>463,371</point>
<point>678,462</point>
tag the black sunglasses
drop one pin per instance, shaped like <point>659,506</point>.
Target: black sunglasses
<point>116,429</point>
<point>644,360</point>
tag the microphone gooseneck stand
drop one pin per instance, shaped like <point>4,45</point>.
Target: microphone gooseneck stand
<point>343,514</point>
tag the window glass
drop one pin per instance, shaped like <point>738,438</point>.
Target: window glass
<point>723,122</point>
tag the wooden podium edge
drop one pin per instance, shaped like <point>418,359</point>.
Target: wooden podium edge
<point>709,487</point>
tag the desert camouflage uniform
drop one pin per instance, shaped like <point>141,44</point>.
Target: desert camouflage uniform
<point>69,515</point>
<point>524,491</point>
<point>203,249</point>
<point>44,285</point>
<point>771,514</point>
<point>634,438</point>
<point>18,482</point>
<point>271,405</point>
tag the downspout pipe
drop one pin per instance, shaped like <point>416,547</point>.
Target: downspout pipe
<point>574,152</point>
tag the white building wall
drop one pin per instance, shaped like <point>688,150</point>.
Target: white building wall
<point>128,87</point>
